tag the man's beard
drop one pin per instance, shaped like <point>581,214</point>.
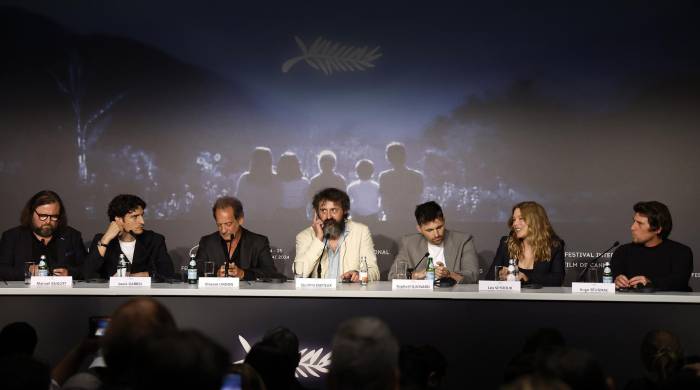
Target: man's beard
<point>332,228</point>
<point>45,231</point>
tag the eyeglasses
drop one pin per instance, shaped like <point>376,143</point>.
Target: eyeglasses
<point>44,217</point>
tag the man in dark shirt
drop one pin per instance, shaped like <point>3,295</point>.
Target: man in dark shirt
<point>44,231</point>
<point>247,253</point>
<point>651,259</point>
<point>144,250</point>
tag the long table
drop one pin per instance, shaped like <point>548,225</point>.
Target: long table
<point>477,332</point>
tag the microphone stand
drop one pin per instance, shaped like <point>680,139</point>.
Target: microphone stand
<point>228,255</point>
<point>409,271</point>
<point>588,264</point>
<point>326,236</point>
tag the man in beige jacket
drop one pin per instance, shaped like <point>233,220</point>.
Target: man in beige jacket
<point>333,245</point>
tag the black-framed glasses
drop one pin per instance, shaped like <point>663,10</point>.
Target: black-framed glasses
<point>44,217</point>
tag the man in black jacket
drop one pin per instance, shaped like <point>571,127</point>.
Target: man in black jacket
<point>145,250</point>
<point>247,253</point>
<point>43,231</point>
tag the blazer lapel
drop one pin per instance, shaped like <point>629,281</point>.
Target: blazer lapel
<point>245,250</point>
<point>450,251</point>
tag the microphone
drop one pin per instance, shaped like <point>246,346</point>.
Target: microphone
<point>326,236</point>
<point>580,275</point>
<point>228,254</point>
<point>409,271</point>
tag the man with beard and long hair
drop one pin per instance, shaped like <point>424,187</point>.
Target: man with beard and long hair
<point>43,231</point>
<point>334,242</point>
<point>144,250</point>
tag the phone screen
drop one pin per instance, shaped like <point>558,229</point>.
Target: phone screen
<point>232,382</point>
<point>98,326</point>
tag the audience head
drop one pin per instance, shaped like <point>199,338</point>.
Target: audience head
<point>578,369</point>
<point>276,357</point>
<point>327,161</point>
<point>662,354</point>
<point>365,356</point>
<point>288,167</point>
<point>180,360</point>
<point>396,154</point>
<point>17,338</point>
<point>132,324</point>
<point>421,367</point>
<point>250,379</point>
<point>261,163</point>
<point>44,213</point>
<point>364,169</point>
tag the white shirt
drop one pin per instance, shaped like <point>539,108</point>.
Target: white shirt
<point>364,197</point>
<point>437,252</point>
<point>128,249</point>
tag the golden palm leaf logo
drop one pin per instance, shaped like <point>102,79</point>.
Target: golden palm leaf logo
<point>328,56</point>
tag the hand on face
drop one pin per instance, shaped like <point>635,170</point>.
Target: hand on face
<point>317,225</point>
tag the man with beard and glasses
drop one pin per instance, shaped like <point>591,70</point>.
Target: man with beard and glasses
<point>43,231</point>
<point>144,250</point>
<point>333,245</point>
<point>247,253</point>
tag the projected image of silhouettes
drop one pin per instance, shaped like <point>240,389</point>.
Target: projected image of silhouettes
<point>401,188</point>
<point>327,178</point>
<point>364,194</point>
<point>258,188</point>
<point>294,188</point>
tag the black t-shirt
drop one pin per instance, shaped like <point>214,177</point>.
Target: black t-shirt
<point>668,265</point>
<point>49,250</point>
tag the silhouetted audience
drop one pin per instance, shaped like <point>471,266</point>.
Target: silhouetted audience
<point>294,188</point>
<point>365,356</point>
<point>537,347</point>
<point>422,367</point>
<point>179,360</point>
<point>578,369</point>
<point>662,357</point>
<point>23,372</point>
<point>276,358</point>
<point>401,188</point>
<point>364,194</point>
<point>250,379</point>
<point>17,338</point>
<point>259,188</point>
<point>327,177</point>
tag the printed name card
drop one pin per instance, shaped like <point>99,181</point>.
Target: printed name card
<point>411,285</point>
<point>593,288</point>
<point>499,286</point>
<point>315,284</point>
<point>229,283</point>
<point>130,281</point>
<point>51,281</point>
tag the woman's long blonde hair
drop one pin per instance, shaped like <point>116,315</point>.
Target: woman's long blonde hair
<point>541,235</point>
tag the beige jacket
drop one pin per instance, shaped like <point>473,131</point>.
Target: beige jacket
<point>357,243</point>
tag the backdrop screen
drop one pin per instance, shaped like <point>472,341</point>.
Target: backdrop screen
<point>583,109</point>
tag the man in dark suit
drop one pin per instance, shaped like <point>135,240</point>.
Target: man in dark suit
<point>43,231</point>
<point>247,253</point>
<point>145,250</point>
<point>453,252</point>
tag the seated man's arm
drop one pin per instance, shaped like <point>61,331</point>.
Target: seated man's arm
<point>681,269</point>
<point>468,271</point>
<point>162,262</point>
<point>94,262</point>
<point>264,265</point>
<point>9,269</point>
<point>308,250</point>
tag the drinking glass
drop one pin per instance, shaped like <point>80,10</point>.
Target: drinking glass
<point>591,275</point>
<point>400,271</point>
<point>28,271</point>
<point>497,270</point>
<point>208,269</point>
<point>298,268</point>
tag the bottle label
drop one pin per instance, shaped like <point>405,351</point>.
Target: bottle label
<point>364,277</point>
<point>191,274</point>
<point>430,275</point>
<point>607,279</point>
<point>121,272</point>
<point>43,272</point>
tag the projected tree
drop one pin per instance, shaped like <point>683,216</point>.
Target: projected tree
<point>87,131</point>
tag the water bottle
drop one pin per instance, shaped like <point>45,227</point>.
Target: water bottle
<point>192,271</point>
<point>121,266</point>
<point>512,271</point>
<point>43,268</point>
<point>364,275</point>
<point>607,273</point>
<point>430,270</point>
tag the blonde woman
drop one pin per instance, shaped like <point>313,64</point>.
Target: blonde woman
<point>534,244</point>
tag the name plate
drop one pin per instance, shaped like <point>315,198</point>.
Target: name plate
<point>51,281</point>
<point>411,285</point>
<point>593,288</point>
<point>231,283</point>
<point>499,286</point>
<point>130,281</point>
<point>315,284</point>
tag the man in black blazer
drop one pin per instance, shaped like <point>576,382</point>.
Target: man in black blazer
<point>44,231</point>
<point>247,253</point>
<point>145,250</point>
